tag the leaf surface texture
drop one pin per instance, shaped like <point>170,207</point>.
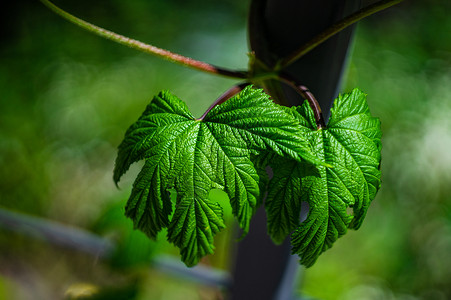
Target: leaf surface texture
<point>193,156</point>
<point>351,146</point>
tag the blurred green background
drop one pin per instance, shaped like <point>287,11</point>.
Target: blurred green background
<point>67,97</point>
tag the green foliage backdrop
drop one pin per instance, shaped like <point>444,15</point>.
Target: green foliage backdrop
<point>66,97</point>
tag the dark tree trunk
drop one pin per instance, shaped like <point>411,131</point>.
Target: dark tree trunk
<point>277,28</point>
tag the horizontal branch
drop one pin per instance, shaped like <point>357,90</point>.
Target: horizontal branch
<point>146,48</point>
<point>56,233</point>
<point>81,240</point>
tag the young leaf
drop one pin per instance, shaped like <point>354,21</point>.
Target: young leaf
<point>194,156</point>
<point>351,146</point>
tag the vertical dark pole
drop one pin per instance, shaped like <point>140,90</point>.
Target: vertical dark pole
<point>276,28</point>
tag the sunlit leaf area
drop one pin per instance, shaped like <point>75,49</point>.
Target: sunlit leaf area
<point>67,98</point>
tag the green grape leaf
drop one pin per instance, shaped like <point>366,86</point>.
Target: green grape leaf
<point>351,145</point>
<point>193,156</point>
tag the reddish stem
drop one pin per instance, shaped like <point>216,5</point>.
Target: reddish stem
<point>150,49</point>
<point>226,96</point>
<point>306,94</point>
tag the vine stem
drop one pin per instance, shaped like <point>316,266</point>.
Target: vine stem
<point>224,97</point>
<point>336,28</point>
<point>146,48</point>
<point>306,94</point>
